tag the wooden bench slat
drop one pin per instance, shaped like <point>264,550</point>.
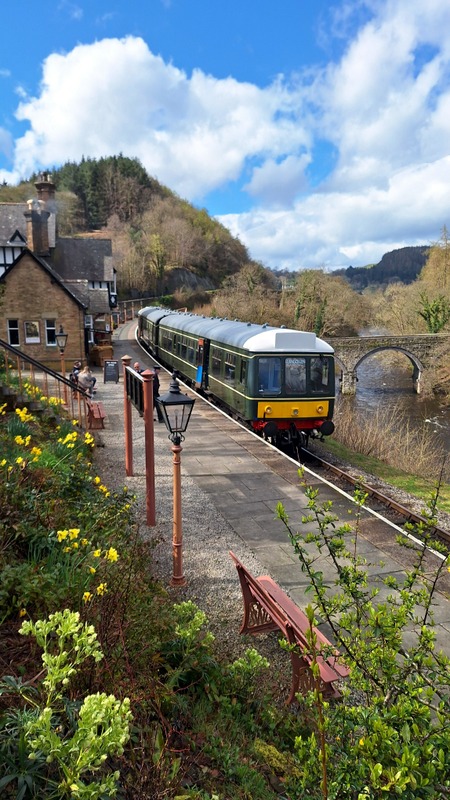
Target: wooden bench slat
<point>96,414</point>
<point>301,623</point>
<point>267,607</point>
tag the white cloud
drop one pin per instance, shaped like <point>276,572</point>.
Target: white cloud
<point>383,109</point>
<point>73,10</point>
<point>192,133</point>
<point>278,183</point>
<point>334,229</point>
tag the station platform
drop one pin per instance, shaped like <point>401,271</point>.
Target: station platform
<point>231,484</point>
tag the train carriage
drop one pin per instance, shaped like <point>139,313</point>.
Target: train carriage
<point>278,381</point>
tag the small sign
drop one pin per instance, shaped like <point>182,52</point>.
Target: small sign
<point>110,371</point>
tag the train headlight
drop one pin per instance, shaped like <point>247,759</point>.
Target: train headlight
<point>319,409</point>
<point>268,410</point>
<point>295,412</point>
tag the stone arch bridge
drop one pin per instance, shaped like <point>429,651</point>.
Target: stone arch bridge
<point>422,351</point>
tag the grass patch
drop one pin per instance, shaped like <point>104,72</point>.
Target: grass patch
<point>416,485</point>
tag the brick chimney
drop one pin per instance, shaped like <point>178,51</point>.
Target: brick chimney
<point>46,194</point>
<point>45,188</point>
<point>37,228</point>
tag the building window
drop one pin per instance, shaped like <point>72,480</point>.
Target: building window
<point>32,335</point>
<point>50,331</point>
<point>13,331</point>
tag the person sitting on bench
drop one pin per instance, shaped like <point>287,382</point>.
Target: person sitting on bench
<point>87,381</point>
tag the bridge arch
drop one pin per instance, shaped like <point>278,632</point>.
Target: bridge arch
<point>417,366</point>
<point>421,350</point>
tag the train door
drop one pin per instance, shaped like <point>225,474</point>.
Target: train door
<point>201,378</point>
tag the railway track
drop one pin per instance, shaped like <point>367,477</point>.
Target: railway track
<point>396,511</point>
<point>383,508</point>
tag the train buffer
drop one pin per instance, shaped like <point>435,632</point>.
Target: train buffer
<point>95,414</point>
<point>268,608</point>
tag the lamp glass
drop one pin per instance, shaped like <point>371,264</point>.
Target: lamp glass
<point>176,408</point>
<point>61,339</point>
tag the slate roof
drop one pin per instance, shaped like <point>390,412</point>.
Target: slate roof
<point>11,220</point>
<point>83,259</point>
<point>95,300</point>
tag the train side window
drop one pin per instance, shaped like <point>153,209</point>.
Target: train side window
<point>230,368</point>
<point>319,374</point>
<point>216,361</point>
<point>295,375</point>
<point>191,354</point>
<point>269,375</point>
<point>183,348</point>
<point>243,372</point>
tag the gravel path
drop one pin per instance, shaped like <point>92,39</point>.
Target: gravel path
<point>212,581</point>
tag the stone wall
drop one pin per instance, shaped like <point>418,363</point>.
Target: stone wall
<point>32,295</point>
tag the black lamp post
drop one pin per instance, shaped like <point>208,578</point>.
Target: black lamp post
<point>61,341</point>
<point>176,409</point>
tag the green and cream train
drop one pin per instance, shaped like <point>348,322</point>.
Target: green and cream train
<point>280,382</point>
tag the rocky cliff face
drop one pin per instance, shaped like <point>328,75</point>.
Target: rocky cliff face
<point>179,278</point>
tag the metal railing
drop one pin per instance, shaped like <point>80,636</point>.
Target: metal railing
<point>19,369</point>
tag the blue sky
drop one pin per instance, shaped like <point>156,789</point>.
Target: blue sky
<point>317,131</point>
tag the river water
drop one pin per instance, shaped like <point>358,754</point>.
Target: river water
<point>386,382</point>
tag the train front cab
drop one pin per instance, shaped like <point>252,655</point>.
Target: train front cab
<point>293,396</point>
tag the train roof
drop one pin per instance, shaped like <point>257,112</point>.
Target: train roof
<point>244,335</point>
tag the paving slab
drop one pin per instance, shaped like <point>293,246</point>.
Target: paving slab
<point>223,461</point>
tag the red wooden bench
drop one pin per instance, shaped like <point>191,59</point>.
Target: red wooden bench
<point>95,414</point>
<point>268,608</point>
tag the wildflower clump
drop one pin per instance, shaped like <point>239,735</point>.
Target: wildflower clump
<point>76,751</point>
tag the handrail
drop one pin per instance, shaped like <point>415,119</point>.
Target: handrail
<point>38,365</point>
<point>69,393</point>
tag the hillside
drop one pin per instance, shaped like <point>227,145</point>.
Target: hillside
<point>397,266</point>
<point>160,241</point>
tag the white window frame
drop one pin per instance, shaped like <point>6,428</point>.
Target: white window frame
<point>31,338</point>
<point>15,328</point>
<point>50,325</point>
<point>89,321</point>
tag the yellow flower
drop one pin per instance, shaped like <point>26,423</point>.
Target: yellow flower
<point>67,549</point>
<point>19,460</point>
<point>97,480</point>
<point>23,414</point>
<point>73,533</point>
<point>61,535</point>
<point>112,554</point>
<point>92,570</point>
<point>97,553</point>
<point>361,742</point>
<point>3,462</point>
<point>75,545</point>
<point>19,440</point>
<point>22,612</point>
<point>85,542</point>
<point>36,451</point>
<point>3,409</point>
<point>102,588</point>
<point>87,596</point>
